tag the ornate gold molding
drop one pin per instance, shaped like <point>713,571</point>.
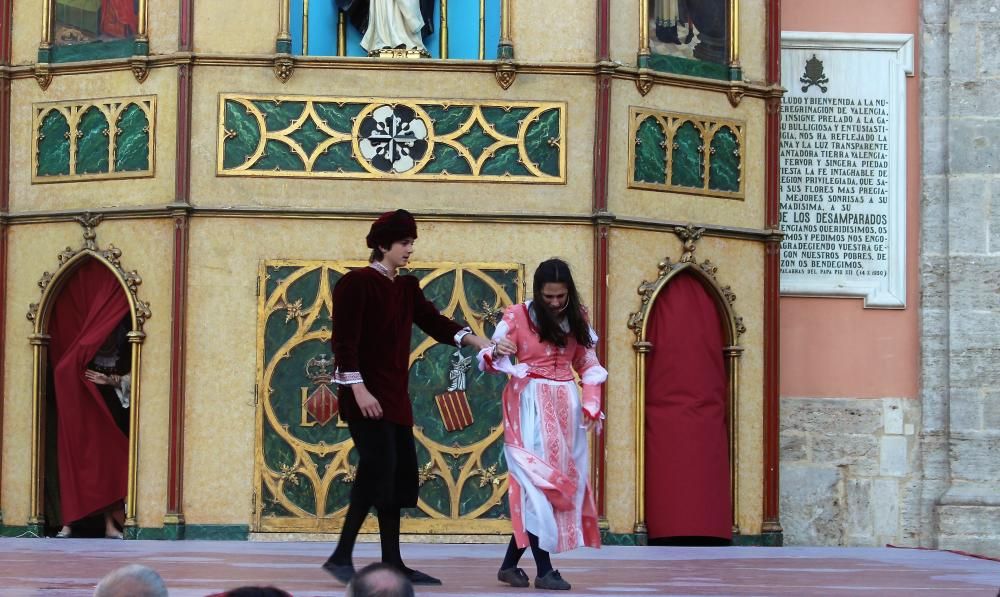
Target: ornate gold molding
<point>39,313</point>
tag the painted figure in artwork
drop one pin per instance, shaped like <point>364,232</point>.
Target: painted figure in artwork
<point>694,29</point>
<point>399,25</point>
<point>78,21</point>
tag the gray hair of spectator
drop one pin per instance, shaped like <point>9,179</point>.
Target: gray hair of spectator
<point>379,580</point>
<point>133,580</point>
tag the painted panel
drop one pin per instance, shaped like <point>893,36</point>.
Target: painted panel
<point>305,457</point>
<point>391,138</point>
<point>74,141</point>
<point>684,153</point>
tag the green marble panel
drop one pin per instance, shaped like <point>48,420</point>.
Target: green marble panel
<point>245,135</point>
<point>724,163</point>
<point>279,115</point>
<point>95,50</point>
<point>309,136</point>
<point>53,145</point>
<point>447,159</point>
<point>650,152</point>
<point>687,157</point>
<point>338,157</point>
<point>688,66</point>
<point>270,506</point>
<point>279,156</point>
<point>476,140</point>
<point>132,142</point>
<point>338,117</point>
<point>217,532</point>
<point>92,142</point>
<point>447,119</point>
<point>506,121</point>
<point>540,139</point>
<point>506,161</point>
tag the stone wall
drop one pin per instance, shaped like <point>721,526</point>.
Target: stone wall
<point>960,266</point>
<point>848,467</point>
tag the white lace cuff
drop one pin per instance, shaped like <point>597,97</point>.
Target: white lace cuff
<point>461,334</point>
<point>347,378</point>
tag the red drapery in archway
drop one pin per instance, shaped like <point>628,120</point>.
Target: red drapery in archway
<point>687,449</point>
<point>93,452</point>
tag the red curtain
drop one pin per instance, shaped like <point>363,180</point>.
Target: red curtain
<point>93,452</point>
<point>118,18</point>
<point>687,449</point>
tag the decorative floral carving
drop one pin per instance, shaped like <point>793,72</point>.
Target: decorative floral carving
<point>644,83</point>
<point>690,236</point>
<point>111,255</point>
<point>140,68</point>
<point>283,68</point>
<point>506,73</point>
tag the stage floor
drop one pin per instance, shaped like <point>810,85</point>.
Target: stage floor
<point>73,566</point>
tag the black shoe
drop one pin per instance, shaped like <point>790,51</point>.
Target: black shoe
<point>342,572</point>
<point>552,581</point>
<point>419,578</point>
<point>515,577</point>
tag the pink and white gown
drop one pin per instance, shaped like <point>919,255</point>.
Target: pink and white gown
<point>545,440</point>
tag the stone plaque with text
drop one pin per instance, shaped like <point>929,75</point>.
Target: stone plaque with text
<point>843,165</point>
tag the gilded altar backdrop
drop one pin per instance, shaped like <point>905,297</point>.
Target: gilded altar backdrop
<point>259,193</point>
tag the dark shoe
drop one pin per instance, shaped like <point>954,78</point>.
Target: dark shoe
<point>552,581</point>
<point>515,577</point>
<point>419,578</point>
<point>342,572</point>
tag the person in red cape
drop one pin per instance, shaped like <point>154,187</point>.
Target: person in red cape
<point>374,310</point>
<point>92,449</point>
<point>119,18</point>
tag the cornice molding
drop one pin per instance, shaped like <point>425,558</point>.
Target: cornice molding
<point>601,218</point>
<point>584,69</point>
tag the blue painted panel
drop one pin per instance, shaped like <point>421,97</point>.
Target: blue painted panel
<point>295,26</point>
<point>463,30</point>
<point>322,28</point>
<point>354,42</point>
<point>433,41</point>
<point>492,28</point>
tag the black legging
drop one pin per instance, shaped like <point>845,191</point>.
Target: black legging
<point>514,553</point>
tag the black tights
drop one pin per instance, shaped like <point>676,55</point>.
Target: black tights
<point>388,529</point>
<point>514,553</point>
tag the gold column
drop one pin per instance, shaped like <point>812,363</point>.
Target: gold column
<point>39,351</point>
<point>642,348</point>
<point>644,28</point>
<point>135,338</point>
<point>482,29</point>
<point>284,15</point>
<point>341,34</point>
<point>305,27</point>
<point>46,25</point>
<point>505,22</point>
<point>734,33</point>
<point>443,40</point>
<point>142,25</point>
<point>732,354</point>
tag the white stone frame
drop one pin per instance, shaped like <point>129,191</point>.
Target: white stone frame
<point>891,292</point>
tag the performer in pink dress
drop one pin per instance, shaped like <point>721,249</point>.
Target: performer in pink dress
<point>546,422</point>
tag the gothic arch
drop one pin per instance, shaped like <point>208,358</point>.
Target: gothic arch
<point>39,314</point>
<point>733,328</point>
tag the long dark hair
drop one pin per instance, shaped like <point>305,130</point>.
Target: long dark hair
<point>557,271</point>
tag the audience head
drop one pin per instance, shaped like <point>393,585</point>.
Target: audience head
<point>133,580</point>
<point>379,580</point>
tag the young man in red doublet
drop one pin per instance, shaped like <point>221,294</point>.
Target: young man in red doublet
<point>374,310</point>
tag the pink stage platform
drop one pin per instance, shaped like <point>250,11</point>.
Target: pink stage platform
<point>67,567</point>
